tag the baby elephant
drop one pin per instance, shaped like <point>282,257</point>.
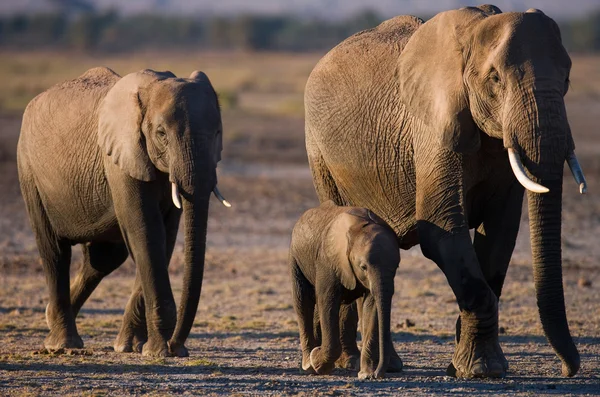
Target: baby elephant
<point>337,255</point>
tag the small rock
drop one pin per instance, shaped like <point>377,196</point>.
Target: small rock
<point>584,282</point>
<point>407,323</point>
<point>501,330</point>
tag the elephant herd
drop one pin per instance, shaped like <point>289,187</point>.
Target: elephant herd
<point>416,132</point>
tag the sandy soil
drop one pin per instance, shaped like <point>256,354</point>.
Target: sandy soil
<point>245,338</point>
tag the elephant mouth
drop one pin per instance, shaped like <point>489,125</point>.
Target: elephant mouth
<point>176,197</point>
<point>519,170</point>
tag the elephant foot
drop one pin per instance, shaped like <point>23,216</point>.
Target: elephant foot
<point>306,367</point>
<point>348,361</point>
<point>370,374</point>
<point>131,339</point>
<point>61,336</point>
<point>177,349</point>
<point>322,364</point>
<point>155,348</point>
<point>129,345</point>
<point>478,359</point>
<point>63,339</point>
<point>396,365</point>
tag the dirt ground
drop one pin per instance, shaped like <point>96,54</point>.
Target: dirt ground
<point>245,338</point>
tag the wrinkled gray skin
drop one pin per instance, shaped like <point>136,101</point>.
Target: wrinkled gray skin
<point>412,120</point>
<point>339,255</point>
<point>96,159</point>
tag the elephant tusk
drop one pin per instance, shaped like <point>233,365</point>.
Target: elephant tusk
<point>220,197</point>
<point>577,172</point>
<point>175,195</point>
<point>519,171</point>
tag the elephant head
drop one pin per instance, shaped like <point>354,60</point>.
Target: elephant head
<point>369,254</point>
<point>151,122</point>
<point>476,70</point>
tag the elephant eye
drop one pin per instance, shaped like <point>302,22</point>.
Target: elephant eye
<point>363,267</point>
<point>162,135</point>
<point>494,77</point>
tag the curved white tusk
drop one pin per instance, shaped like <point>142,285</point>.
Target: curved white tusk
<point>519,171</point>
<point>175,195</point>
<point>220,197</point>
<point>577,172</point>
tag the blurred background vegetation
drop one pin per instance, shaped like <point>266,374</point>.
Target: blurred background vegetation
<point>258,62</point>
<point>109,31</point>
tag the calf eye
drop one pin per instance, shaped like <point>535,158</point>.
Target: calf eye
<point>363,267</point>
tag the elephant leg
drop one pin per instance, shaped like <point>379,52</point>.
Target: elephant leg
<point>134,330</point>
<point>55,254</point>
<point>350,358</point>
<point>304,304</point>
<point>143,230</point>
<point>56,258</point>
<point>495,240</point>
<point>444,238</point>
<point>99,260</point>
<point>317,326</point>
<point>395,365</point>
<point>323,358</point>
<point>325,185</point>
<point>369,357</point>
<point>478,352</point>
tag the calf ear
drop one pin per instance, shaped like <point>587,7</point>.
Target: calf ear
<point>339,245</point>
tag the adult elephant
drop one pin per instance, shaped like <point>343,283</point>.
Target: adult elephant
<point>422,123</point>
<point>103,162</point>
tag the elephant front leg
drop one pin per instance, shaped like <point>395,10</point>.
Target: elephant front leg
<point>323,358</point>
<point>369,357</point>
<point>478,353</point>
<point>495,240</point>
<point>143,230</point>
<point>350,357</point>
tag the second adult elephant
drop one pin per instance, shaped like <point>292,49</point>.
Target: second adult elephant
<point>107,162</point>
<point>432,126</point>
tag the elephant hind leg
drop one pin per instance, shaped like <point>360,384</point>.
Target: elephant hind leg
<point>55,253</point>
<point>134,331</point>
<point>99,260</point>
<point>304,304</point>
<point>325,185</point>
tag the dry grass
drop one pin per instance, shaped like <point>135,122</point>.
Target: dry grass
<point>266,83</point>
<point>270,82</point>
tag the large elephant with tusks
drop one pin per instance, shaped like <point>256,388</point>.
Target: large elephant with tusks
<point>438,127</point>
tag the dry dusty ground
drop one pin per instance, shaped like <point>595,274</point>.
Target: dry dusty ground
<point>245,338</point>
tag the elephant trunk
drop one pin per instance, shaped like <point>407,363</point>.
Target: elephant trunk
<point>545,226</point>
<point>195,181</point>
<point>195,214</point>
<point>543,143</point>
<point>383,291</point>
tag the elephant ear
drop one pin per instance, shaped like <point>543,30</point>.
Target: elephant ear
<point>340,235</point>
<point>119,124</point>
<point>202,78</point>
<point>431,78</point>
